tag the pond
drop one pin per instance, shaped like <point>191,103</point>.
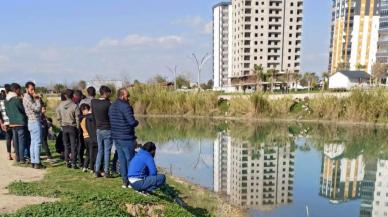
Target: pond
<point>279,169</point>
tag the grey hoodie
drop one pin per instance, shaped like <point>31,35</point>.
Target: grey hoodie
<point>68,114</point>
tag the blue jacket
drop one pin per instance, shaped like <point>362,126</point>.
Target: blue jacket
<point>142,165</point>
<point>122,120</point>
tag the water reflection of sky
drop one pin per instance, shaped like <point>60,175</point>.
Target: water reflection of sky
<point>285,178</point>
<point>190,159</point>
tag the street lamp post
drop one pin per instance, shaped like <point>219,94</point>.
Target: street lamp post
<point>173,71</point>
<point>199,64</point>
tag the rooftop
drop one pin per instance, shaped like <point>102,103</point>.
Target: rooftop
<point>222,4</point>
<point>355,74</point>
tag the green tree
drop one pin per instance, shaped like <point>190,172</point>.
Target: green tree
<point>360,66</point>
<point>158,79</point>
<point>112,87</point>
<point>378,70</point>
<point>342,67</point>
<point>325,76</point>
<point>82,85</point>
<point>136,82</point>
<point>58,88</point>
<point>182,81</point>
<point>271,74</point>
<point>258,70</point>
<point>210,83</point>
<point>309,79</point>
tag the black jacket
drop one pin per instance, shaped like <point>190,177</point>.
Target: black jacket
<point>91,127</point>
<point>122,119</point>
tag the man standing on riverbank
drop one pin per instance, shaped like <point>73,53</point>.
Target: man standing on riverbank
<point>68,116</point>
<point>91,95</point>
<point>100,109</point>
<point>4,121</point>
<point>17,120</point>
<point>33,108</point>
<point>123,125</point>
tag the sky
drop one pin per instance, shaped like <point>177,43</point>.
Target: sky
<point>63,41</point>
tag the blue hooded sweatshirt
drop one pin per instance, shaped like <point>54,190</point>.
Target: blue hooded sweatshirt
<point>142,165</point>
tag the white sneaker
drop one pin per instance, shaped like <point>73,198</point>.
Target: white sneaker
<point>124,186</point>
<point>146,194</point>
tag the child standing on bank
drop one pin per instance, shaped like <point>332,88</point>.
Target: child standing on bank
<point>90,136</point>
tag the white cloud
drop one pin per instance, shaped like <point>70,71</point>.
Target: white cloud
<point>140,40</point>
<point>197,23</point>
<point>3,60</point>
<point>208,28</point>
<point>135,56</point>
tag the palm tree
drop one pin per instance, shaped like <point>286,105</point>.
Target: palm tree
<point>342,67</point>
<point>310,78</point>
<point>272,76</point>
<point>325,76</point>
<point>359,66</point>
<point>258,70</point>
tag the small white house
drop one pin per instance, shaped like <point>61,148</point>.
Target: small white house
<point>349,79</point>
<point>98,83</point>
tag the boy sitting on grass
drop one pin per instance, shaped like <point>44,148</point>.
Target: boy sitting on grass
<point>90,137</point>
<point>142,172</point>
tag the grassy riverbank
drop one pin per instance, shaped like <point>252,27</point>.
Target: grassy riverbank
<point>360,106</point>
<point>81,194</point>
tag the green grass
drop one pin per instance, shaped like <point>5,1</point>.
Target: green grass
<point>81,194</point>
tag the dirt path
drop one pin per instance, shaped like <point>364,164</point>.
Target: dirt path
<point>8,173</point>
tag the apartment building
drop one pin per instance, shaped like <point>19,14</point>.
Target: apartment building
<point>261,32</point>
<point>380,202</point>
<point>259,177</point>
<point>382,47</point>
<point>354,34</point>
<point>341,178</point>
<point>222,46</point>
<point>222,162</point>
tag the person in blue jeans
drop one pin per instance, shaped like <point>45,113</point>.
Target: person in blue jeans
<point>33,108</point>
<point>142,172</point>
<point>100,110</point>
<point>123,124</point>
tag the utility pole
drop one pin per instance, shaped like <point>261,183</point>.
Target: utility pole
<point>199,64</point>
<point>173,71</point>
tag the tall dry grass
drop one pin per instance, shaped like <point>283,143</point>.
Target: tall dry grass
<point>154,99</point>
<point>359,106</point>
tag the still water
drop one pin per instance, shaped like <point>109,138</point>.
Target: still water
<point>279,169</point>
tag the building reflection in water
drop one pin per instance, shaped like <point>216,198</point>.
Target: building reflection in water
<point>344,179</point>
<point>340,177</point>
<point>259,176</point>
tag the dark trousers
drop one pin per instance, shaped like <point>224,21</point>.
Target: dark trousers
<point>149,183</point>
<point>27,144</point>
<point>91,154</point>
<point>19,139</point>
<point>81,148</point>
<point>115,162</point>
<point>70,143</point>
<point>8,138</point>
<point>125,151</point>
<point>45,143</point>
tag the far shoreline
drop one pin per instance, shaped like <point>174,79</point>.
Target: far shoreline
<point>269,120</point>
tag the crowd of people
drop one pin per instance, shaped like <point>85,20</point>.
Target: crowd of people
<point>89,127</point>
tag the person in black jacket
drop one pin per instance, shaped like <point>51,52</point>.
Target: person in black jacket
<point>90,138</point>
<point>123,125</point>
<point>100,109</point>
